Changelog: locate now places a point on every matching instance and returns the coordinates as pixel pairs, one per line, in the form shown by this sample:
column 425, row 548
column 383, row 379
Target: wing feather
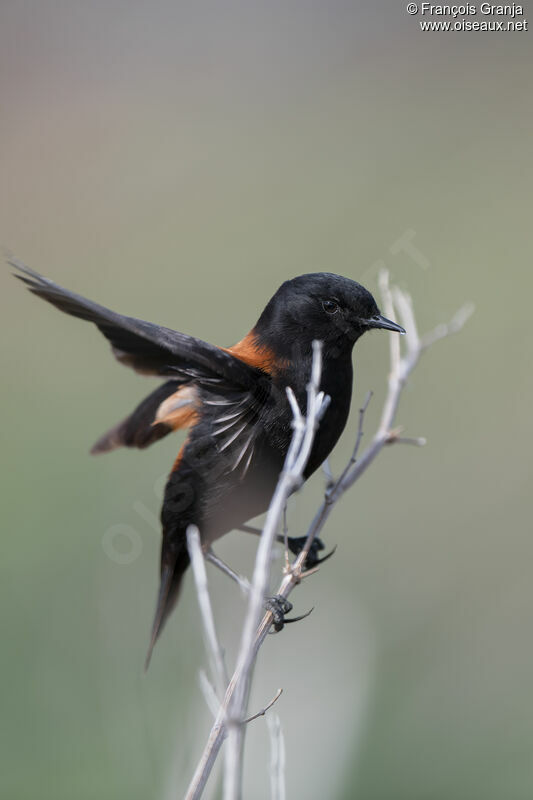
column 142, row 345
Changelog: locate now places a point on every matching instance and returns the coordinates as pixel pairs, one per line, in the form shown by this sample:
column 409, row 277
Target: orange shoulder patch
column 254, row 354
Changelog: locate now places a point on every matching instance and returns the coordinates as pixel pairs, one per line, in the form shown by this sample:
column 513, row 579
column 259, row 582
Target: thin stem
column 290, row 479
column 243, row 583
column 265, row 709
column 277, row 758
column 204, row 601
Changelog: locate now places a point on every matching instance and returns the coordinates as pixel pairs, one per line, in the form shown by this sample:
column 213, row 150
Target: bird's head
column 323, row 306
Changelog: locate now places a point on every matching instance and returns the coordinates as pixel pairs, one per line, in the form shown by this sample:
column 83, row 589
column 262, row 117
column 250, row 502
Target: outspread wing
column 148, row 348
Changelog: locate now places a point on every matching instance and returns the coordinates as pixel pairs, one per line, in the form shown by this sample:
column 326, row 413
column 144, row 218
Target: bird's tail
column 172, row 572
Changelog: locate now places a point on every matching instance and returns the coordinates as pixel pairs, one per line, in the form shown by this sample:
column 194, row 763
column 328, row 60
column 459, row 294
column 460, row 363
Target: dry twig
column 200, row 576
column 290, row 479
column 277, row 758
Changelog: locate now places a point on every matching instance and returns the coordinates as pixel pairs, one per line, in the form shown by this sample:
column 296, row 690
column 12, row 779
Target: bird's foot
column 296, row 545
column 278, row 607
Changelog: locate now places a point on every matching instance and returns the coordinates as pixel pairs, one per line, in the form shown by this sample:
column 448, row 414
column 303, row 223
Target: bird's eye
column 330, row 306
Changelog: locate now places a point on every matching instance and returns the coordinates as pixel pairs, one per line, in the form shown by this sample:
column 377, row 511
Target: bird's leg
column 250, row 529
column 278, row 607
column 257, row 532
column 243, row 583
column 296, row 545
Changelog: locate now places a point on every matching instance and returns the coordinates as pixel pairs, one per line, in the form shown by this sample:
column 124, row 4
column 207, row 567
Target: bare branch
column 290, row 479
column 213, row 703
column 298, row 420
column 388, row 307
column 200, row 576
column 404, row 304
column 277, row 758
column 265, row 709
column 456, row 324
column 353, row 459
column 416, row 441
column 328, row 474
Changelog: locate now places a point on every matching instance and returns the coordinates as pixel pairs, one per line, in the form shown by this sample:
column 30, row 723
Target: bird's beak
column 379, row 321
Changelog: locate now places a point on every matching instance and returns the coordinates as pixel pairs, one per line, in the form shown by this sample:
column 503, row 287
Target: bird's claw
column 324, row 558
column 278, row 607
column 296, row 545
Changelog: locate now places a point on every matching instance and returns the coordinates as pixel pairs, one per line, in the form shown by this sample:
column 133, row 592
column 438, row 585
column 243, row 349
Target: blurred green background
column 176, row 161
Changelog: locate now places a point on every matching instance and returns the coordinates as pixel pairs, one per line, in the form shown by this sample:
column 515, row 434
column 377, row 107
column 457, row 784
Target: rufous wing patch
column 179, row 410
column 179, row 458
column 254, row 354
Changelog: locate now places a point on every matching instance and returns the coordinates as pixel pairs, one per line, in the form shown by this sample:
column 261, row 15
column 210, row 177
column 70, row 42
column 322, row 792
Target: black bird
column 233, row 400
